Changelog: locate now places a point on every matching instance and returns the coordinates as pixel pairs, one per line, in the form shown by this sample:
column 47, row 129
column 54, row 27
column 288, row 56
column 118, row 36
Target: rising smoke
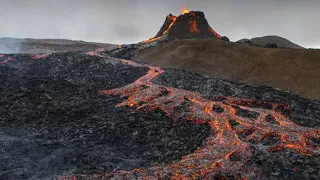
column 9, row 45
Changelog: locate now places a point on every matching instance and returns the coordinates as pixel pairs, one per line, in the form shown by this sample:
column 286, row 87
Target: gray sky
column 130, row 21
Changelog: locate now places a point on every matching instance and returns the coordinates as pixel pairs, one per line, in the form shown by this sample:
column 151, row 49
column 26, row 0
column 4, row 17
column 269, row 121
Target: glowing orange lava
column 228, row 150
column 193, row 26
column 173, row 20
column 214, row 32
column 185, row 11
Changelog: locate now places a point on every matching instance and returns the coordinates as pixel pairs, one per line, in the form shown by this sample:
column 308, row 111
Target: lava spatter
column 228, row 150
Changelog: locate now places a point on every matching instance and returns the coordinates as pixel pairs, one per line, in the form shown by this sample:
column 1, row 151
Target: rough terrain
column 74, row 115
column 295, row 70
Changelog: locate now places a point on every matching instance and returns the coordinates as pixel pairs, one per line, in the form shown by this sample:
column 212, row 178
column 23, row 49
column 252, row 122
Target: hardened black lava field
column 80, row 116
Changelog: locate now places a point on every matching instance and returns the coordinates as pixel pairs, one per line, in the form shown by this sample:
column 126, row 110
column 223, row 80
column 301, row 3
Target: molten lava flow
column 185, row 11
column 40, row 56
column 96, row 52
column 7, row 60
column 193, row 27
column 228, row 150
column 215, row 33
column 170, row 18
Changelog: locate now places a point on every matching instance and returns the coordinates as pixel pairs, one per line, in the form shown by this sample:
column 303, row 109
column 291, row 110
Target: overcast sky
column 130, row 21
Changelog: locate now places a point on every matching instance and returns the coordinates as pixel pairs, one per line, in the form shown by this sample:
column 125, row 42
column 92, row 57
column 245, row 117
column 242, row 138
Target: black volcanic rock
column 192, row 24
column 225, row 38
column 189, row 25
column 54, row 121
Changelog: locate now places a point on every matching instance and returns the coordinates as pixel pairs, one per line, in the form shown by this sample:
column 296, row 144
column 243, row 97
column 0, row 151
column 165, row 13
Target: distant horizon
column 127, row 21
column 317, row 47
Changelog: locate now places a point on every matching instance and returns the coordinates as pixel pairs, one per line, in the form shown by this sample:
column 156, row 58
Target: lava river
column 228, row 149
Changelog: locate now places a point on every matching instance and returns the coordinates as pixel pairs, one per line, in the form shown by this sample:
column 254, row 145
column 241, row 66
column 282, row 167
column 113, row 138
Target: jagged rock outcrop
column 225, row 38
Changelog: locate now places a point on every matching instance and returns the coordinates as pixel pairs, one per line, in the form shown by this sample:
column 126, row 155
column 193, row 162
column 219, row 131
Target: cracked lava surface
column 229, row 148
column 238, row 126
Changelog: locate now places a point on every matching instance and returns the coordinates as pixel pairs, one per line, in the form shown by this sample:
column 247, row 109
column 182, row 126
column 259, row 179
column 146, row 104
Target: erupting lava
column 228, row 149
column 185, row 11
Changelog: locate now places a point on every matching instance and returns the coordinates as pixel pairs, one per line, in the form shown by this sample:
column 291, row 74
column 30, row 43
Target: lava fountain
column 185, row 11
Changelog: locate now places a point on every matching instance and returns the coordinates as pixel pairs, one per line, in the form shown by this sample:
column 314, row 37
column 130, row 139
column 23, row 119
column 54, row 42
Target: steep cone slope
column 191, row 24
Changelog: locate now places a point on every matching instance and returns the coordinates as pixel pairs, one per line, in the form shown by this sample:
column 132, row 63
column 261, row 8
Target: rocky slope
column 86, row 116
column 295, row 70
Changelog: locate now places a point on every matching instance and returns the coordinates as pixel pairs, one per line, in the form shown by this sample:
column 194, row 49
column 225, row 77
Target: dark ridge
column 246, row 113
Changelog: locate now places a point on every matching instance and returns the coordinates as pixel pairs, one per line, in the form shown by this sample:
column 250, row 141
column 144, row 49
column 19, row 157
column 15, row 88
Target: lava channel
column 228, row 150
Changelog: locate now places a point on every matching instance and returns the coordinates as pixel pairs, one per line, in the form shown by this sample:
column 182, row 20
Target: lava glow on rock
column 173, row 20
column 228, row 150
column 215, row 33
column 193, row 27
column 193, row 23
column 97, row 52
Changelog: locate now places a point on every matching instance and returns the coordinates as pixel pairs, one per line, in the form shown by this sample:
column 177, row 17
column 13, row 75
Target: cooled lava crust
column 83, row 116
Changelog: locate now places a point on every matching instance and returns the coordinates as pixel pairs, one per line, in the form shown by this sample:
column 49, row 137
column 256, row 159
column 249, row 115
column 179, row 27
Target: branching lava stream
column 228, row 149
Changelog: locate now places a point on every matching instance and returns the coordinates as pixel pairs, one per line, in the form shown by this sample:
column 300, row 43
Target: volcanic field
column 92, row 115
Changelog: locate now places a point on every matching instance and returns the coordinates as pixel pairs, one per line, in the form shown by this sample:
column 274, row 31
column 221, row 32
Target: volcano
column 190, row 24
column 99, row 115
